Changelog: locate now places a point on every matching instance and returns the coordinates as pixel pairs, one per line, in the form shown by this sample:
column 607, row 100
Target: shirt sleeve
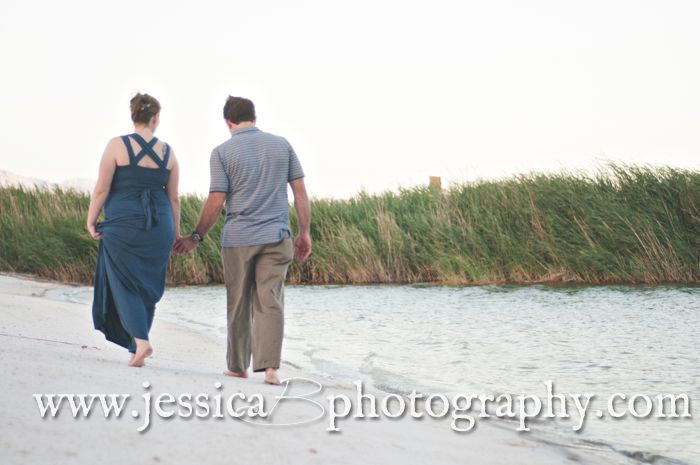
column 219, row 178
column 295, row 170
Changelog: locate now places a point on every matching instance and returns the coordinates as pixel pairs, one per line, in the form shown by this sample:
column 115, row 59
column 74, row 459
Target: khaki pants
column 254, row 278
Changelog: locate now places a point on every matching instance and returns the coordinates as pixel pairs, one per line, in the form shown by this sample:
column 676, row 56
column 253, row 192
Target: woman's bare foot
column 271, row 376
column 143, row 350
column 237, row 374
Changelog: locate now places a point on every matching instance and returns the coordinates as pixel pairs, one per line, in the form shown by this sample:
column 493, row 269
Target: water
column 495, row 339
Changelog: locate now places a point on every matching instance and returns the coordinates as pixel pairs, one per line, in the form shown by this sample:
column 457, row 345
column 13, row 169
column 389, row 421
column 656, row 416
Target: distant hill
column 8, row 179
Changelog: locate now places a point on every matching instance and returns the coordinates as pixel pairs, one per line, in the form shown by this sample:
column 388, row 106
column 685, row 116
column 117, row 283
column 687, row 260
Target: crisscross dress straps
column 146, row 149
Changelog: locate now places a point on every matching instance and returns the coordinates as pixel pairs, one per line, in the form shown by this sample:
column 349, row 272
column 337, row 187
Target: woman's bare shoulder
column 116, row 150
column 115, row 142
column 172, row 159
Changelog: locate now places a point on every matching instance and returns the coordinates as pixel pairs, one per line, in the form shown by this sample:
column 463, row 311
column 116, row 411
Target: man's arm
column 210, row 213
column 302, row 244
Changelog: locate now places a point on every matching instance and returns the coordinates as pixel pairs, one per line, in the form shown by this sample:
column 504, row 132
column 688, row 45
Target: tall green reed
column 623, row 224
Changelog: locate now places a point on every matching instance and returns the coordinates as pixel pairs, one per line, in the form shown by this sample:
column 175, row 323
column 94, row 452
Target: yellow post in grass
column 436, row 183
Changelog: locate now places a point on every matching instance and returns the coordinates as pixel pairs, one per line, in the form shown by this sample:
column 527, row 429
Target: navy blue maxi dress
column 137, row 235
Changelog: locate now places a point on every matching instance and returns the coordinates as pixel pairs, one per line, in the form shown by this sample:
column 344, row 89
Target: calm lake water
column 493, row 340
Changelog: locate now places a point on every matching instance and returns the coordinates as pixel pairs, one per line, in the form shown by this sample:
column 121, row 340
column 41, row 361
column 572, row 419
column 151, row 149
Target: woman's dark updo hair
column 143, row 107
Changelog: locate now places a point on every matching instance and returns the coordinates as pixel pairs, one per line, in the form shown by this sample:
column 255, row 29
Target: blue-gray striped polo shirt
column 253, row 167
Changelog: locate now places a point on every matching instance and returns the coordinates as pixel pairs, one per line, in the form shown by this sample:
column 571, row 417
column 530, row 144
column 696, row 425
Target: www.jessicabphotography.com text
column 464, row 410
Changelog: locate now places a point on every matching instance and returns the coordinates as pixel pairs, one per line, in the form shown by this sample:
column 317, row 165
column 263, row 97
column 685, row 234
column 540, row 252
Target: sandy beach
column 49, row 346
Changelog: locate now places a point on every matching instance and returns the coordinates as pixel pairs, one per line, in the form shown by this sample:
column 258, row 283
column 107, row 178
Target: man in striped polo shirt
column 250, row 172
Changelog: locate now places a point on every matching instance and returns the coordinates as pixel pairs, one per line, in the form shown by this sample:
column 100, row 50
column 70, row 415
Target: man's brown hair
column 239, row 109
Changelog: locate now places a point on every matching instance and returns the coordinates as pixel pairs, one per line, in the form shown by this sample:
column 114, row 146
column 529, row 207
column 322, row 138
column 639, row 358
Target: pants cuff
column 264, row 366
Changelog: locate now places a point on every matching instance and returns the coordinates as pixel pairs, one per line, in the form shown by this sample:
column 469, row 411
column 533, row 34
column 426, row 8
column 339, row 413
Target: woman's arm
column 173, row 195
column 108, row 165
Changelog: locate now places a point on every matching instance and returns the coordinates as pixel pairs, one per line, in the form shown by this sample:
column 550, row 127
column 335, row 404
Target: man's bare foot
column 271, row 376
column 237, row 374
column 143, row 350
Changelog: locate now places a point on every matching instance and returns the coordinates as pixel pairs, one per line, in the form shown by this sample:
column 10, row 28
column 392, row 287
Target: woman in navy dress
column 137, row 187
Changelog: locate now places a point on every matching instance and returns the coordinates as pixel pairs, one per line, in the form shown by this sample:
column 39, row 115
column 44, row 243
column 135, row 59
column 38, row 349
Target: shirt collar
column 244, row 129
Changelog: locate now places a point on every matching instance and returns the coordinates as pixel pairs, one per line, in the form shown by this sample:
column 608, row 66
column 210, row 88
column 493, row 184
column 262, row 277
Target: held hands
column 184, row 245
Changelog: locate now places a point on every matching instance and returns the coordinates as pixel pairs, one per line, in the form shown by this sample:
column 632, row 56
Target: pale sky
column 372, row 95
